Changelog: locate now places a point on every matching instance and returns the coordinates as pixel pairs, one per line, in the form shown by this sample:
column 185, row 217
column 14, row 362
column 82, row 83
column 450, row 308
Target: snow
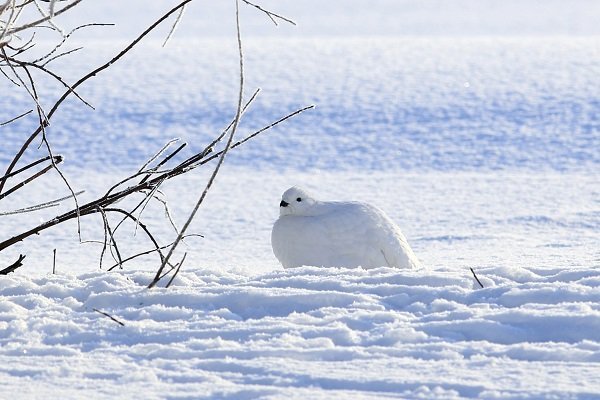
column 306, row 332
column 476, row 130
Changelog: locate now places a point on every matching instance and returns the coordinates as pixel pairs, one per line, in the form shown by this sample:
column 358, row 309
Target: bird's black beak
column 283, row 204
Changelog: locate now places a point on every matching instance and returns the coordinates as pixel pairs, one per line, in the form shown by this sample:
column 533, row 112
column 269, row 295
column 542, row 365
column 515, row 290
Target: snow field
column 484, row 150
column 328, row 332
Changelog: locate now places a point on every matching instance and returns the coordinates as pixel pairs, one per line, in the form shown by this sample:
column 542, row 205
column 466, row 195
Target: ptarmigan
column 337, row 234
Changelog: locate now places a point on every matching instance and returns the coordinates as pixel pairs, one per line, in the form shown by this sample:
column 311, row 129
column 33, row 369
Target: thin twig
column 30, row 165
column 108, row 235
column 32, row 93
column 42, row 20
column 16, row 118
column 236, row 144
column 141, row 225
column 47, row 204
column 270, row 14
column 25, row 182
column 476, row 278
column 59, row 55
column 43, row 68
column 43, row 123
column 146, row 252
column 163, row 162
column 109, row 316
column 158, row 154
column 224, row 152
column 174, row 26
column 176, row 271
column 65, row 38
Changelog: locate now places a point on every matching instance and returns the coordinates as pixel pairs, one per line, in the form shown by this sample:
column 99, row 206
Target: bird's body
column 337, row 234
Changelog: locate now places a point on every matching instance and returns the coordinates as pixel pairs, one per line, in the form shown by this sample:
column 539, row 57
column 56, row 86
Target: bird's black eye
column 299, row 199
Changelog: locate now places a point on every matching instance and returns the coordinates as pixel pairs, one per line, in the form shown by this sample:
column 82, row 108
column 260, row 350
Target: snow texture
column 474, row 125
column 304, row 333
column 310, row 232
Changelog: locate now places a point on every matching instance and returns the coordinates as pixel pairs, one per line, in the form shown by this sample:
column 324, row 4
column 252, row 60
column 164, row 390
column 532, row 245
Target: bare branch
column 43, row 68
column 86, row 77
column 175, row 24
column 65, row 38
column 30, row 165
column 109, row 233
column 270, row 14
column 13, row 266
column 299, row 111
column 26, row 181
column 54, row 262
column 223, row 153
column 41, row 20
column 158, row 154
column 144, row 253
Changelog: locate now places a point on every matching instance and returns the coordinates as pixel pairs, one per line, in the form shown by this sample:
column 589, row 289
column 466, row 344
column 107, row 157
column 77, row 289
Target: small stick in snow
column 476, row 278
column 54, row 263
column 109, row 316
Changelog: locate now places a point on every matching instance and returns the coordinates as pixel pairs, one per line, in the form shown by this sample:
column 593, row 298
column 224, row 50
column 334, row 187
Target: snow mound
column 304, row 332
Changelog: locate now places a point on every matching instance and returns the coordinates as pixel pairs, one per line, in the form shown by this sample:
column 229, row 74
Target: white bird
column 337, row 234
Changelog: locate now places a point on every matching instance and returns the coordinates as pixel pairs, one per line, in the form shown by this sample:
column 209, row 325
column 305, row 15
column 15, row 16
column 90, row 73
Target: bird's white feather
column 337, row 234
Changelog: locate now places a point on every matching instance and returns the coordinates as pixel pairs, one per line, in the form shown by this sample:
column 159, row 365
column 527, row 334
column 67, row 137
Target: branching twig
column 174, row 26
column 91, row 74
column 270, row 14
column 41, row 20
column 13, row 266
column 151, row 177
column 108, row 234
column 31, row 178
column 146, row 252
column 221, row 159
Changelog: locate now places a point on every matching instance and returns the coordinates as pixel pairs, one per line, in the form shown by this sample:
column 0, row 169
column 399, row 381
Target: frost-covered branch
column 148, row 178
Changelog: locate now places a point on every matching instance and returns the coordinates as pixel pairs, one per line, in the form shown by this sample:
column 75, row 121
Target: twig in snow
column 109, row 316
column 223, row 153
column 54, row 262
column 176, row 271
column 476, row 278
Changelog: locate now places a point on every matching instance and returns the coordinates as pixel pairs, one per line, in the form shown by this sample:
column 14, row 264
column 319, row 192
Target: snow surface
column 304, row 333
column 477, row 132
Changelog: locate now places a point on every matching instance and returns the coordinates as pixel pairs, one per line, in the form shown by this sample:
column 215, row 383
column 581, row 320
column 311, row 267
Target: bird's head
column 296, row 201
